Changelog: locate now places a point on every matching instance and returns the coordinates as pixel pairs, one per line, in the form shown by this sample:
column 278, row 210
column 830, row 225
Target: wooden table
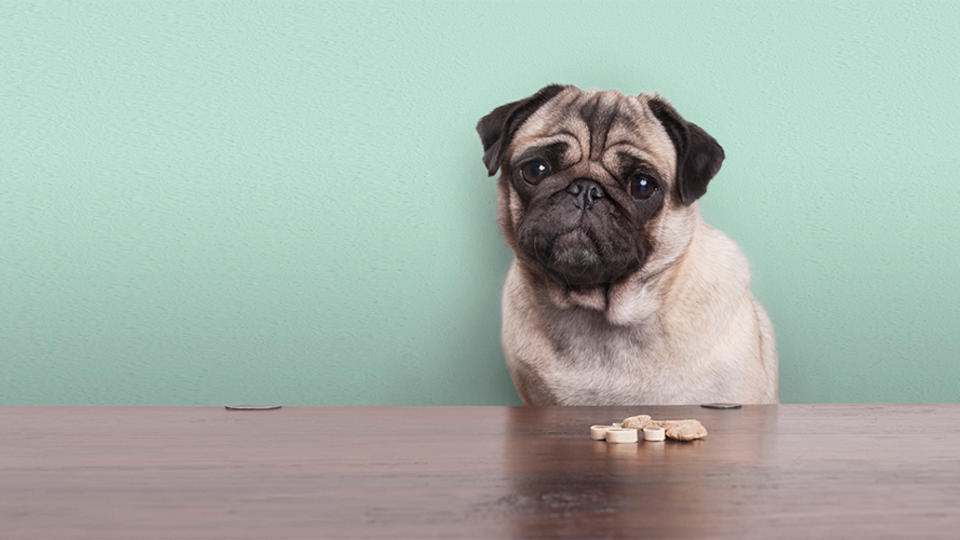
column 844, row 471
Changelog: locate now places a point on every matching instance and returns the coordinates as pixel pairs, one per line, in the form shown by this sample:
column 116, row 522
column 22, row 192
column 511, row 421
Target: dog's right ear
column 699, row 155
column 498, row 128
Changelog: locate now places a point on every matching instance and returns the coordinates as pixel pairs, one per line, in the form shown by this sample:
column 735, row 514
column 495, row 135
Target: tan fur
column 682, row 329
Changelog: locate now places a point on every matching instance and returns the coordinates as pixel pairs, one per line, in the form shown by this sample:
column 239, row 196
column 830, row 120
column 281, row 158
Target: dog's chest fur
column 604, row 363
column 592, row 362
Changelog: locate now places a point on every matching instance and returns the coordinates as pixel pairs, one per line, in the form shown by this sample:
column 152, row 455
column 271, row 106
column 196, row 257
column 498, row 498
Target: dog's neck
column 626, row 303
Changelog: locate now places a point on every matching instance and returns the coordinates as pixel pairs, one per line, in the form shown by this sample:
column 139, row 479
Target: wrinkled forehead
column 598, row 124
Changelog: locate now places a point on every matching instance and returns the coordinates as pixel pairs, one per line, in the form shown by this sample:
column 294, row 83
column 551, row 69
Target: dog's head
column 595, row 185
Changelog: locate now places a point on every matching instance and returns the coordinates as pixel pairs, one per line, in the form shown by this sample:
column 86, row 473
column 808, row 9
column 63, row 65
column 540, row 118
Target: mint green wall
column 203, row 203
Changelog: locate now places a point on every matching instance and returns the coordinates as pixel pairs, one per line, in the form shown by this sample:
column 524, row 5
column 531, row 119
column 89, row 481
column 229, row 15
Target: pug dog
column 620, row 293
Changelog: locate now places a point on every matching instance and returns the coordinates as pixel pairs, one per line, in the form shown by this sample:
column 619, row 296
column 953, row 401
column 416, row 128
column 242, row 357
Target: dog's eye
column 535, row 170
column 642, row 186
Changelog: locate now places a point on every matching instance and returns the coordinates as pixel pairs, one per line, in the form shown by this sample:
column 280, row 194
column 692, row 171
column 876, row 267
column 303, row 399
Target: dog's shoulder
column 715, row 259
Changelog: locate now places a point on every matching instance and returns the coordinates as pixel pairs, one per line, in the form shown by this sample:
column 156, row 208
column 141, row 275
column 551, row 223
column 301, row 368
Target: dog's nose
column 585, row 192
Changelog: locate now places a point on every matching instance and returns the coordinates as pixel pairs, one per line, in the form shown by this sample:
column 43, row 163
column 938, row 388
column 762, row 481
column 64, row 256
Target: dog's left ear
column 498, row 128
column 699, row 156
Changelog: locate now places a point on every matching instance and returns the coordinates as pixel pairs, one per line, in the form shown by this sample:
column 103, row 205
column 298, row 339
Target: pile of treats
column 630, row 430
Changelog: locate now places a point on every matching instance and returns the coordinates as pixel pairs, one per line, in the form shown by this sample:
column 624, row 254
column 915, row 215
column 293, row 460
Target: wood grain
column 201, row 472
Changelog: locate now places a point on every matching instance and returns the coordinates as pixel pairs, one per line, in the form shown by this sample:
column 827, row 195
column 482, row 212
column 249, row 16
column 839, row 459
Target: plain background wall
column 203, row 203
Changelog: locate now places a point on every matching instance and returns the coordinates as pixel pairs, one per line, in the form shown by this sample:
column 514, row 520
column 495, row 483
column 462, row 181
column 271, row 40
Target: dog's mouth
column 577, row 247
column 579, row 257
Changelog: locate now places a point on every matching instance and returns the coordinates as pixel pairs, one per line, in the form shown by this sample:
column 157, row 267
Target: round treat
column 654, row 433
column 598, row 432
column 622, row 435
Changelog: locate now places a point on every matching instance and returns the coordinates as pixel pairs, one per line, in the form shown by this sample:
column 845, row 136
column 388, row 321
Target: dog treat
column 654, row 433
column 682, row 430
column 637, row 422
column 599, row 432
column 622, row 435
column 635, row 428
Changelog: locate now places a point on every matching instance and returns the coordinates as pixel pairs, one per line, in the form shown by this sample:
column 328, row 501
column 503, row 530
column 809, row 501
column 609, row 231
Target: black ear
column 498, row 128
column 699, row 156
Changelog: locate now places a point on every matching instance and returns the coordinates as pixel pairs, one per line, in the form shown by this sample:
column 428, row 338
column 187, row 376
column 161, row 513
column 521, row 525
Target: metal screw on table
column 721, row 405
column 252, row 407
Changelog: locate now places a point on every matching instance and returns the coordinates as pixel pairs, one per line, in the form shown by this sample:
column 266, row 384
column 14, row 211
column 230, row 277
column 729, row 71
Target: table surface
column 817, row 471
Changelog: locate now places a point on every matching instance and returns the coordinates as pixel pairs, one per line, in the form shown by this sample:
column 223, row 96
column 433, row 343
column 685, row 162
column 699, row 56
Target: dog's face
column 596, row 184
